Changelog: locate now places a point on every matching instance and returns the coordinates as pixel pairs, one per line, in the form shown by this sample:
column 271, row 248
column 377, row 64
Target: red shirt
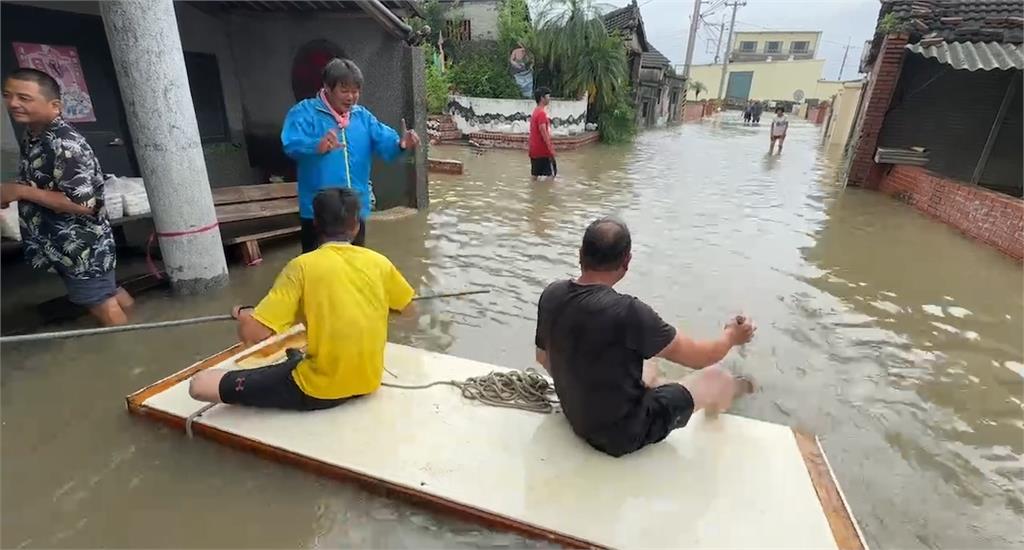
column 538, row 148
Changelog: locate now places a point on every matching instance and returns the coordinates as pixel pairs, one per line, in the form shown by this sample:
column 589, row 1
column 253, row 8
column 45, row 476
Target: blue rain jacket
column 307, row 123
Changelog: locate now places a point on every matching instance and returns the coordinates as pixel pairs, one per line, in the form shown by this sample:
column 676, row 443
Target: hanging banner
column 60, row 62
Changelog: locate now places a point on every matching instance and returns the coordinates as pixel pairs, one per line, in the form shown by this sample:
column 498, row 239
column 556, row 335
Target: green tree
column 570, row 40
column 513, row 24
column 698, row 87
column 437, row 89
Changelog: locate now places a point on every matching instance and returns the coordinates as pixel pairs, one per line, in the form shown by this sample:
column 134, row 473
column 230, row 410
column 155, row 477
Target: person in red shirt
column 542, row 149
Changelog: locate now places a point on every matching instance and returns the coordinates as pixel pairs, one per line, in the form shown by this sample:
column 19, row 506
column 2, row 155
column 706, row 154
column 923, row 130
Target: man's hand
column 739, row 330
column 11, row 192
column 329, row 142
column 410, row 140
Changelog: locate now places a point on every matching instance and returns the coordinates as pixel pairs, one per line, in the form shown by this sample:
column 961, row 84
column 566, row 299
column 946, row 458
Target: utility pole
column 725, row 63
column 721, row 31
column 845, row 52
column 694, row 21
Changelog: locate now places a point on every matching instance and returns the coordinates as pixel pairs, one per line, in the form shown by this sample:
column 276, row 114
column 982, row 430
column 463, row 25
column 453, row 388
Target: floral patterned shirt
column 81, row 246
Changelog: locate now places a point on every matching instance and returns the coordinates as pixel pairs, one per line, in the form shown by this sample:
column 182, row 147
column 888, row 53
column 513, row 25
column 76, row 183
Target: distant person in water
column 343, row 294
column 594, row 341
column 755, row 112
column 748, row 112
column 542, row 148
column 333, row 140
column 780, row 125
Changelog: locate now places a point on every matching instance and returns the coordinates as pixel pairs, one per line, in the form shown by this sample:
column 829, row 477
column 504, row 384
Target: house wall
column 483, row 19
column 227, row 164
column 951, row 112
column 512, row 116
column 988, row 216
column 775, row 80
column 844, row 109
column 825, row 89
column 264, row 47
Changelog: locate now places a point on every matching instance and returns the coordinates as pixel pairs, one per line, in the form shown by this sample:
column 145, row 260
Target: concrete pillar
column 146, row 48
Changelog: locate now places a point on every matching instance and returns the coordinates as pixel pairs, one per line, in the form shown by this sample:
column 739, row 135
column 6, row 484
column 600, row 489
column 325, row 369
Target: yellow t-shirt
column 343, row 294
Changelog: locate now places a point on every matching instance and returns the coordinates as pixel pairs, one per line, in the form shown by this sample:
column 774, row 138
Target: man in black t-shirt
column 594, row 341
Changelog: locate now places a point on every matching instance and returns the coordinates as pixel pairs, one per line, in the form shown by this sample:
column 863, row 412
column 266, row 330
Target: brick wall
column 693, row 111
column 444, row 166
column 521, row 141
column 884, row 75
column 990, row 217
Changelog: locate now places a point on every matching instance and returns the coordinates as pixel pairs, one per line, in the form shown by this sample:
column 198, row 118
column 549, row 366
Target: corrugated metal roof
column 973, row 56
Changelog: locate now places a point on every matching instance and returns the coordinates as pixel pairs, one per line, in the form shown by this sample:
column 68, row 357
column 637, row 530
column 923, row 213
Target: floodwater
column 891, row 336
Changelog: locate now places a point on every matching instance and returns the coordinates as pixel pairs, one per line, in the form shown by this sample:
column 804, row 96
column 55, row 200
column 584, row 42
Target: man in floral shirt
column 60, row 199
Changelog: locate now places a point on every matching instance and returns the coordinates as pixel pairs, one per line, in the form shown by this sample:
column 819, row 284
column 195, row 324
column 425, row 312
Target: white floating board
column 729, row 482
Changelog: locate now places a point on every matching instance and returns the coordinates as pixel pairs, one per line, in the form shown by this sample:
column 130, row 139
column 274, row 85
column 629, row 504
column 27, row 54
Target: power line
column 745, row 23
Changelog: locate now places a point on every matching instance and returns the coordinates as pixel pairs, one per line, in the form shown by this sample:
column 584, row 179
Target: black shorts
column 271, row 387
column 544, row 167
column 311, row 240
column 662, row 410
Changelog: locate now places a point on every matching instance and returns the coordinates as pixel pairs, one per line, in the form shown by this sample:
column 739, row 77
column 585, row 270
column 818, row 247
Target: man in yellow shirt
column 343, row 294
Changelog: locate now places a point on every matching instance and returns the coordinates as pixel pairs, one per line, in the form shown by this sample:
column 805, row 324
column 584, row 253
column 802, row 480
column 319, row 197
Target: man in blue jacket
column 333, row 139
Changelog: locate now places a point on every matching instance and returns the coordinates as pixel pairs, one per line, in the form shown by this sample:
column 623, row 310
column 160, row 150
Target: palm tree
column 571, row 41
column 698, row 87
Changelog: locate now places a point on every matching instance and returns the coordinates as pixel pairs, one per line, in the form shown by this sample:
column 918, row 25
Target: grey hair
column 342, row 71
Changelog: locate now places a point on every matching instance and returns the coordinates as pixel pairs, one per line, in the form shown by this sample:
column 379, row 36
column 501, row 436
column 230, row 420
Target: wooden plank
column 136, row 404
column 262, row 235
column 845, row 531
column 252, row 193
column 228, row 213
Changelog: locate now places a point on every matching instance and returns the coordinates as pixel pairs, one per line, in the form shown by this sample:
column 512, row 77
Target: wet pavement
column 893, row 337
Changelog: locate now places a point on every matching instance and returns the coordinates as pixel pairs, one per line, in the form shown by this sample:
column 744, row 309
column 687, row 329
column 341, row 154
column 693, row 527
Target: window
column 801, row 46
column 773, row 46
column 457, row 30
column 207, row 96
column 748, row 47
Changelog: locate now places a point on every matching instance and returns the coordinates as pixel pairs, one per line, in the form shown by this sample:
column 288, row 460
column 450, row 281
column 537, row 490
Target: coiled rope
column 524, row 390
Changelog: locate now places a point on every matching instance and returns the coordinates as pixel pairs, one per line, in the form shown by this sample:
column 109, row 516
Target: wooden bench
column 245, row 203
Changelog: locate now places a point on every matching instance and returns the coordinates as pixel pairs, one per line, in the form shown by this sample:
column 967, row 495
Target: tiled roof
column 622, row 19
column 627, row 21
column 933, row 21
column 654, row 58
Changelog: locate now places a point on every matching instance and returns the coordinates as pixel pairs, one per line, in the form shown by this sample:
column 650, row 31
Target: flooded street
column 895, row 339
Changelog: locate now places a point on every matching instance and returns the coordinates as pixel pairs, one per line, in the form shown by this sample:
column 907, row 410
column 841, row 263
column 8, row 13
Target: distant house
column 629, row 24
column 946, row 78
column 657, row 91
column 661, row 91
column 768, row 66
column 478, row 21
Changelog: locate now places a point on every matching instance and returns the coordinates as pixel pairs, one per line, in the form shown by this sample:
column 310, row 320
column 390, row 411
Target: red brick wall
column 521, row 141
column 884, row 76
column 993, row 218
column 693, row 111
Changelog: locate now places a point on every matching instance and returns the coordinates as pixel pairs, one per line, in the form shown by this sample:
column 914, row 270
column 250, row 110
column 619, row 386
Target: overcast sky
column 667, row 24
